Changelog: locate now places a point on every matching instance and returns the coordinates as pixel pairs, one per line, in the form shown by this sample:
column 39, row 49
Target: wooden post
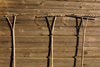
column 83, row 40
column 12, row 27
column 51, row 30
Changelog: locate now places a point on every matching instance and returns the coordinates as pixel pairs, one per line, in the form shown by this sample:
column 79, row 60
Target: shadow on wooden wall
column 49, row 51
column 77, row 41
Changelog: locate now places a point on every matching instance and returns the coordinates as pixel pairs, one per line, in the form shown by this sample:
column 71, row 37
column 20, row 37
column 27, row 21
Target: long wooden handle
column 12, row 27
column 52, row 30
column 13, row 36
column 83, row 40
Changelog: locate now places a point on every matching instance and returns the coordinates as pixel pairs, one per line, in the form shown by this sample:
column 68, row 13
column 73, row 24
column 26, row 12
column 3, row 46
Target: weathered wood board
column 41, row 62
column 32, row 34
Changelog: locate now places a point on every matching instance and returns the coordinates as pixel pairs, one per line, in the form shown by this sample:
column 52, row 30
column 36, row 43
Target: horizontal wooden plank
column 32, row 39
column 49, row 11
column 46, row 45
column 43, row 41
column 56, row 44
column 52, row 4
column 69, row 62
column 30, row 30
column 59, row 52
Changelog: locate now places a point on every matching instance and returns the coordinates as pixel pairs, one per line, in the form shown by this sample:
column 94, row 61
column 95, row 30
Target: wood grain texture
column 46, row 45
column 30, row 30
column 43, row 41
column 40, row 39
column 32, row 40
column 57, row 62
column 59, row 52
column 50, row 4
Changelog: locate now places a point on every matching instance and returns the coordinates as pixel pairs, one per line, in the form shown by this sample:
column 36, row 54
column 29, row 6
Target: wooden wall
column 32, row 40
